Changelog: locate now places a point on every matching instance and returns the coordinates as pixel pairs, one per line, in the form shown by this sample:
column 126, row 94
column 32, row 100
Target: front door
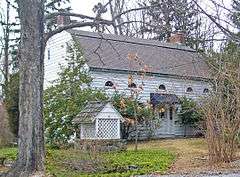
column 166, row 118
column 170, row 121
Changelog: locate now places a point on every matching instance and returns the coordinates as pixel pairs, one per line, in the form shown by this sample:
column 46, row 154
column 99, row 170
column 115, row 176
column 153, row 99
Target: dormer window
column 189, row 89
column 109, row 84
column 206, row 90
column 162, row 87
column 132, row 85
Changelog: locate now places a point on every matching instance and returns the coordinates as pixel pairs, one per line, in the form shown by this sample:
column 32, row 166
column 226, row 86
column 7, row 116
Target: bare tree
column 222, row 108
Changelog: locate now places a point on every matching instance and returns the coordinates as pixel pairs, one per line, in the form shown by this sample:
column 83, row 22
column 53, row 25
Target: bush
column 190, row 114
column 125, row 105
column 134, row 112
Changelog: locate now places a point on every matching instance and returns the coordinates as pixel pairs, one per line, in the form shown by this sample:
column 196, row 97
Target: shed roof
column 106, row 51
column 89, row 112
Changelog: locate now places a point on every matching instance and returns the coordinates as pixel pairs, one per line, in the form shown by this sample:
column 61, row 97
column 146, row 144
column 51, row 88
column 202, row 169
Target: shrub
column 190, row 114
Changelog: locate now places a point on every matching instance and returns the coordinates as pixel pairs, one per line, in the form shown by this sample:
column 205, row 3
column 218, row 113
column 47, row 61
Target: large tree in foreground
column 31, row 155
column 31, row 140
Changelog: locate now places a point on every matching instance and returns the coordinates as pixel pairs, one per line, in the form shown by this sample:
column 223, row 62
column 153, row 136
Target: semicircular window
column 162, row 87
column 109, row 84
column 189, row 89
column 206, row 90
column 132, row 85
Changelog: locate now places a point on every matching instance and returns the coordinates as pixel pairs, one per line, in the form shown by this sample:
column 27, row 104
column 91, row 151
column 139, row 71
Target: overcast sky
column 83, row 6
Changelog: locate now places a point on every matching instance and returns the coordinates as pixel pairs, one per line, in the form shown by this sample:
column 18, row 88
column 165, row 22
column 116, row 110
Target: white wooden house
column 99, row 120
column 171, row 70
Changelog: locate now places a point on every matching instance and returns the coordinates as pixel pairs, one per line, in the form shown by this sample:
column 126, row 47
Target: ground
column 191, row 155
column 176, row 156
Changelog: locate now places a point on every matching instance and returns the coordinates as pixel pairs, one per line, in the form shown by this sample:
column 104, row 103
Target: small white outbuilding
column 99, row 120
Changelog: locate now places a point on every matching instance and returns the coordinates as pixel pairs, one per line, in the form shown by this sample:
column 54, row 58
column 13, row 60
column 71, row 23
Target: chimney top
column 177, row 38
column 63, row 20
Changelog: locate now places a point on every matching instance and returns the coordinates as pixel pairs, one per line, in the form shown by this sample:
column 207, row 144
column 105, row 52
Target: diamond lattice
column 107, row 129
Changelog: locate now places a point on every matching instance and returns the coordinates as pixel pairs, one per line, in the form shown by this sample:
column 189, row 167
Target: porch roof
column 161, row 98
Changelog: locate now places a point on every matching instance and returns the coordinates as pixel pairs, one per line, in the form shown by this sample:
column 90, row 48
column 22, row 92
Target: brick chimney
column 177, row 38
column 62, row 20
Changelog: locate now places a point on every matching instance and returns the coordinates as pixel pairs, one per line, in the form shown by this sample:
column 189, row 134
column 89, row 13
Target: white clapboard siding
column 151, row 84
column 57, row 45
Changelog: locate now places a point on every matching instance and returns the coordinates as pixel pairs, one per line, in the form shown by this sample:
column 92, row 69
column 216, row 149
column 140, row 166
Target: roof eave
column 197, row 78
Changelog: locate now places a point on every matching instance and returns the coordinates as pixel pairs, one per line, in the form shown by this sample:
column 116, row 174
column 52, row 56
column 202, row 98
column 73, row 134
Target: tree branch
column 52, row 15
column 75, row 25
column 135, row 9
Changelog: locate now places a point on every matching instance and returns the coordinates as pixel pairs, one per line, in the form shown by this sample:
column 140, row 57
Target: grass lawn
column 70, row 162
column 188, row 155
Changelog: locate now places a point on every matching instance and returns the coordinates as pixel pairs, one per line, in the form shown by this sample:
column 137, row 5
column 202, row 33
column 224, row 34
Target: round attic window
column 162, row 87
column 109, row 84
column 132, row 85
column 189, row 89
column 206, row 90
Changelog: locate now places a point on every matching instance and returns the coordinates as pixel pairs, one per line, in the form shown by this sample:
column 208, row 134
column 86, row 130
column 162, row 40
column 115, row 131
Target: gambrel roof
column 113, row 52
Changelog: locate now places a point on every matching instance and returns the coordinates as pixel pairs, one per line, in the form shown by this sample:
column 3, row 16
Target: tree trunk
column 6, row 49
column 31, row 154
column 136, row 127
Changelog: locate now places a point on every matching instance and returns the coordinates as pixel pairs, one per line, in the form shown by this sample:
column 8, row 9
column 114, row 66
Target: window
column 171, row 113
column 162, row 87
column 49, row 54
column 132, row 85
column 189, row 89
column 109, row 84
column 205, row 90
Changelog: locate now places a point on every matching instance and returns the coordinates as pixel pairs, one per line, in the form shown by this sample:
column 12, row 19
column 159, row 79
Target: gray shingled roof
column 89, row 113
column 105, row 51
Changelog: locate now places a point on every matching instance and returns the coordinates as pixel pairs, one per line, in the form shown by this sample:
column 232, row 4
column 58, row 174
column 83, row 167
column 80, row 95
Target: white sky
column 83, row 6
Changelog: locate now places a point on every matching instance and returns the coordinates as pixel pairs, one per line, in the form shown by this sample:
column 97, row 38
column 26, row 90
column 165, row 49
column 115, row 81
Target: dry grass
column 191, row 154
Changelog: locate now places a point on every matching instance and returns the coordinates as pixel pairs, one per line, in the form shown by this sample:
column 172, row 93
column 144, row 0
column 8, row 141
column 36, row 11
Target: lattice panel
column 108, row 129
column 88, row 131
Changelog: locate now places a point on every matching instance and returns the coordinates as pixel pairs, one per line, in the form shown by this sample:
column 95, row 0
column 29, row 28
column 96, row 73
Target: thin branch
column 52, row 15
column 135, row 9
column 222, row 28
